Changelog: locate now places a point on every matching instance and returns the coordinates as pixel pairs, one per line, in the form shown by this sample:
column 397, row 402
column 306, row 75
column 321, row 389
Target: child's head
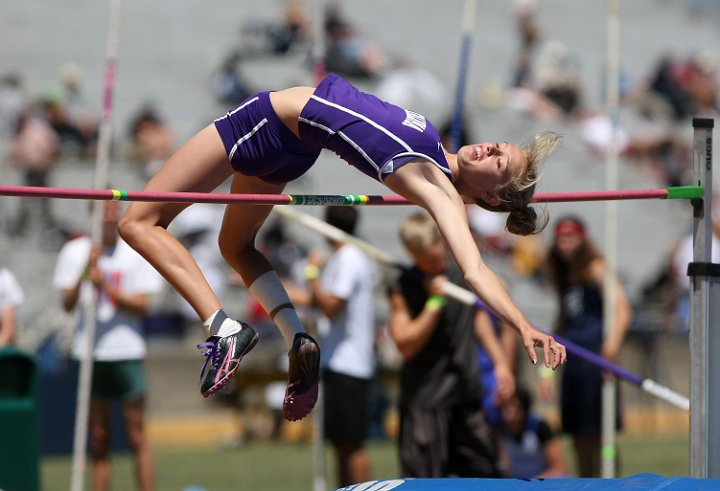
column 511, row 178
column 422, row 239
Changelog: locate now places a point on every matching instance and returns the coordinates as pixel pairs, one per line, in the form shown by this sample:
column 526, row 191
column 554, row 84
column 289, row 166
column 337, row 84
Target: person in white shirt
column 11, row 297
column 123, row 283
column 343, row 293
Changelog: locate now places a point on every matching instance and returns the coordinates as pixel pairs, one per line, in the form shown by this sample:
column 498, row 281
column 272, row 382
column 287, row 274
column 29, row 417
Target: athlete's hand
column 554, row 353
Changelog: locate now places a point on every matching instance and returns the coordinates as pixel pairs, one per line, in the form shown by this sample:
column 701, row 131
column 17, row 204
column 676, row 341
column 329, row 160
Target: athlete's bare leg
column 200, row 165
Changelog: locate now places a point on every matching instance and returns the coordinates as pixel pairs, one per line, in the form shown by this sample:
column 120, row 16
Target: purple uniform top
column 374, row 136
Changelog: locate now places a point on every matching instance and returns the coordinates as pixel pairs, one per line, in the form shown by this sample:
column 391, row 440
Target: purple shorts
column 259, row 144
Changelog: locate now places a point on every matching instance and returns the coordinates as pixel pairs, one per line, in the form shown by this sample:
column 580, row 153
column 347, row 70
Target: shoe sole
column 297, row 406
column 223, row 381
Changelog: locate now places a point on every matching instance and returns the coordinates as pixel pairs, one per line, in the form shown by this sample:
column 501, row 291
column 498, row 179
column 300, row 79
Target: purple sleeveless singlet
column 371, row 135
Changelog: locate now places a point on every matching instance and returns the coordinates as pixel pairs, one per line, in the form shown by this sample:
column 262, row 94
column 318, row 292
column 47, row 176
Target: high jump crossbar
column 678, row 192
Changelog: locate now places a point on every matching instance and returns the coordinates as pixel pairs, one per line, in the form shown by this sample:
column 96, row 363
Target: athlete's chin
column 466, row 154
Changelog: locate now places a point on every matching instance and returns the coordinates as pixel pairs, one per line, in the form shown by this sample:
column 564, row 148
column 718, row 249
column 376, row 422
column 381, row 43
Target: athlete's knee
column 234, row 249
column 129, row 229
column 132, row 229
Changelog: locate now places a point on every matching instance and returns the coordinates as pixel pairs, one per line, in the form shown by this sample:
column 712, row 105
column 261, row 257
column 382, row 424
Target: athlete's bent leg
column 237, row 244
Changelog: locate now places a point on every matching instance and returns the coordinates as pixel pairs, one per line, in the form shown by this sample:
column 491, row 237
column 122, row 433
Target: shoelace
column 211, row 354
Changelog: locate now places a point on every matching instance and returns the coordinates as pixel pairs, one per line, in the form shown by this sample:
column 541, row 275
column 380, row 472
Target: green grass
column 282, row 466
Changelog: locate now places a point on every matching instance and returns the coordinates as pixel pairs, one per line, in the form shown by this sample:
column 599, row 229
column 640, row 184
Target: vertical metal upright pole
column 318, row 47
column 82, row 414
column 700, row 349
column 319, row 468
column 612, row 96
column 469, row 21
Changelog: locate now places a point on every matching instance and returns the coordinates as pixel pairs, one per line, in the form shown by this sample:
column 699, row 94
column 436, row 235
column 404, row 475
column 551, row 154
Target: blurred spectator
column 68, row 112
column 71, row 93
column 151, row 140
column 418, row 89
column 495, row 347
column 529, row 33
column 557, row 94
column 73, row 138
column 665, row 97
column 291, row 33
column 260, row 37
column 658, row 310
column 531, row 448
column 666, row 152
column 526, row 257
column 697, row 77
column 577, row 272
column 443, row 429
column 350, row 53
column 34, row 150
column 13, row 101
column 228, row 84
column 557, row 75
column 549, row 87
column 11, row 297
column 123, row 282
column 655, row 146
column 343, row 294
column 679, row 89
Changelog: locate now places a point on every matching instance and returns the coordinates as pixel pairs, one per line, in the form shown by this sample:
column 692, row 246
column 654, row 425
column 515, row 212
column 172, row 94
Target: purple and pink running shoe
column 303, row 376
column 223, row 356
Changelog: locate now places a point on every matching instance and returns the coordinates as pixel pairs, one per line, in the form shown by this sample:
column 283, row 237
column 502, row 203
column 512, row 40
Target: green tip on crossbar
column 685, row 192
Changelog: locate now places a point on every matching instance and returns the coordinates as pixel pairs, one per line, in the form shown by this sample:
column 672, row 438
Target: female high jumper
column 273, row 138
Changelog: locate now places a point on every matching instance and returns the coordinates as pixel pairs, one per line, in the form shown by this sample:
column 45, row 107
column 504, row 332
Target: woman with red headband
column 577, row 271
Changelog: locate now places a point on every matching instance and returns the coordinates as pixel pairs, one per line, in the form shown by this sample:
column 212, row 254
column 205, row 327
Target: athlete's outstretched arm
column 426, row 185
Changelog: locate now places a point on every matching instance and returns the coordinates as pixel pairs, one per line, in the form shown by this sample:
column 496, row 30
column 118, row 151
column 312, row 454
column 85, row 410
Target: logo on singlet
column 415, row 121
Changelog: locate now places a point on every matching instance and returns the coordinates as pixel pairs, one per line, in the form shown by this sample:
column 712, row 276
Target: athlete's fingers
column 546, row 343
column 559, row 354
column 563, row 354
column 529, row 344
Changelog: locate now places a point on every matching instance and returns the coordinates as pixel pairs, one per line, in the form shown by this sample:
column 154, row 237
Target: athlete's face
column 487, row 167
